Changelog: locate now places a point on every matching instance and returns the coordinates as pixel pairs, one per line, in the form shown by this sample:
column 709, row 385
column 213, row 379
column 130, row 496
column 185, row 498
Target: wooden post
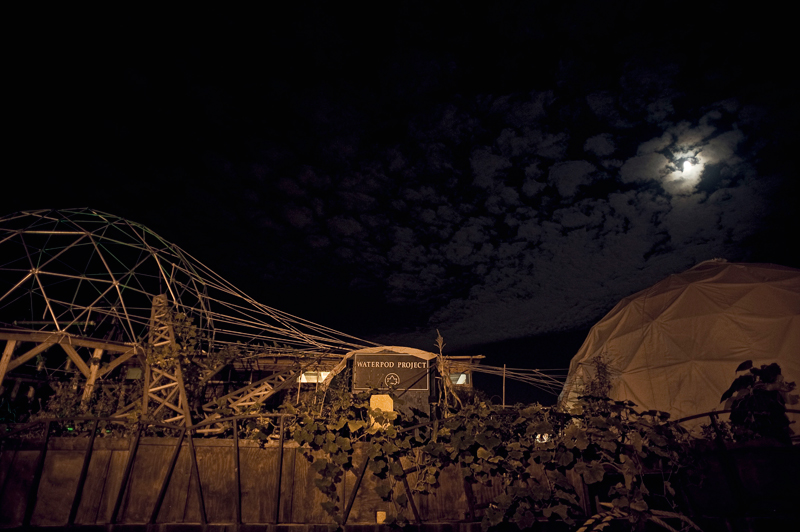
column 95, row 366
column 7, row 352
column 238, row 472
column 470, row 496
column 87, row 456
column 37, row 477
column 280, row 473
column 504, row 385
column 170, row 468
column 123, row 487
column 352, row 499
column 199, row 487
column 410, row 496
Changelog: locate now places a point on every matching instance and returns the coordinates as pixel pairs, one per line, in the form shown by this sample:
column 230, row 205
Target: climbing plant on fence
column 531, row 453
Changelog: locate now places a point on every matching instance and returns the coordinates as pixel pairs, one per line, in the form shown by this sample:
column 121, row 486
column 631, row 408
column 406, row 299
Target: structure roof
column 675, row 346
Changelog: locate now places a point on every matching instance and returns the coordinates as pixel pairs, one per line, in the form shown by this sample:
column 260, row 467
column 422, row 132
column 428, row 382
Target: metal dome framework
column 100, row 285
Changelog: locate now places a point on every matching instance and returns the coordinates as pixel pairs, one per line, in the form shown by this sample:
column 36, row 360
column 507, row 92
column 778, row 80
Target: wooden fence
column 90, row 480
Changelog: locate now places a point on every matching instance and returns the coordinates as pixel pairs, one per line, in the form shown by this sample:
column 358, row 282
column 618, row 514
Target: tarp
column 675, row 346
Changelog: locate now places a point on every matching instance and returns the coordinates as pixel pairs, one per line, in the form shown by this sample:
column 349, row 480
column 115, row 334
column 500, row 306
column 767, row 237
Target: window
column 313, row 376
column 459, row 378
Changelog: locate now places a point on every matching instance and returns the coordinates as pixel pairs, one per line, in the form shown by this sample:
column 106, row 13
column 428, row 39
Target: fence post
column 280, row 471
column 126, row 475
column 238, row 473
column 170, row 468
column 76, row 500
column 37, row 477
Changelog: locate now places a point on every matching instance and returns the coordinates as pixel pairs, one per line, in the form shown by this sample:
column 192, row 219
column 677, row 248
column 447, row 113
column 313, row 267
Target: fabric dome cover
column 675, row 346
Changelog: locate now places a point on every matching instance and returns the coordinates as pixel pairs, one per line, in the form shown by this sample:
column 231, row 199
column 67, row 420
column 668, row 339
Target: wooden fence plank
column 6, row 461
column 93, row 488
column 112, row 484
column 146, row 477
column 217, row 476
column 307, row 500
column 20, row 478
column 173, row 507
column 259, row 482
column 367, row 502
column 57, row 487
column 288, row 483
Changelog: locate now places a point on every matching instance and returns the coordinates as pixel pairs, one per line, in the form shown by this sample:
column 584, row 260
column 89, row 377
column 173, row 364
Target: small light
column 70, row 429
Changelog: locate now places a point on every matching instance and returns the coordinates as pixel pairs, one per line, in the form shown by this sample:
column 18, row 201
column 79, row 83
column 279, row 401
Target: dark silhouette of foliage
column 758, row 401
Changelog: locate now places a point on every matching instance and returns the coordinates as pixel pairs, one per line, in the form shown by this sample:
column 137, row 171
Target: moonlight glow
column 688, row 167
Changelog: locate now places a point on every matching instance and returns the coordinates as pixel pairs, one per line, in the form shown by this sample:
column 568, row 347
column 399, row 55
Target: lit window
column 313, row 376
column 459, row 378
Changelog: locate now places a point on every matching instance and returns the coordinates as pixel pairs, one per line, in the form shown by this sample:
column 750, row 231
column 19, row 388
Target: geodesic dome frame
column 90, row 273
column 102, row 289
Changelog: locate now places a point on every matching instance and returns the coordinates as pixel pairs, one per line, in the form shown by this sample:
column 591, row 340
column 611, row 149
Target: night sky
column 503, row 173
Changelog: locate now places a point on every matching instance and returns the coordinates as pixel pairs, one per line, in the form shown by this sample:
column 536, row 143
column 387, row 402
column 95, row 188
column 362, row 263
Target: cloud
column 299, row 217
column 343, row 226
column 601, row 145
column 487, row 166
column 500, row 235
column 722, row 148
column 643, row 168
column 569, row 175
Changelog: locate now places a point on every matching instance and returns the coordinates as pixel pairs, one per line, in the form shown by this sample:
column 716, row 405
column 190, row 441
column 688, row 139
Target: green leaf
column 524, row 519
column 343, row 443
column 383, row 490
column 355, row 425
column 592, row 472
column 564, row 458
column 639, row 506
column 319, row 464
column 396, row 469
column 401, row 499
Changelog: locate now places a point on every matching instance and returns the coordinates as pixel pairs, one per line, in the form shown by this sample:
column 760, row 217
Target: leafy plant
column 532, row 453
column 757, row 400
column 600, row 385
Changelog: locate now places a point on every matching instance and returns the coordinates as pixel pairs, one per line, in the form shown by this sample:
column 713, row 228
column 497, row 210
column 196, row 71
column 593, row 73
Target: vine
column 532, row 454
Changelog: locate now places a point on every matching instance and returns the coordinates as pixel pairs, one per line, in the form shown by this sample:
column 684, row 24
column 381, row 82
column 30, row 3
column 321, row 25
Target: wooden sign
column 390, row 371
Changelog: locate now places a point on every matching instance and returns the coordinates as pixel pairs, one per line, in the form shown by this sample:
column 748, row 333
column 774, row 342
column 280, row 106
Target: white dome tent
column 675, row 346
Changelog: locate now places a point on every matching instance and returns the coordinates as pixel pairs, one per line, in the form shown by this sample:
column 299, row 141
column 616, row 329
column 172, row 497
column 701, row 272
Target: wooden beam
column 76, row 358
column 124, row 357
column 7, row 352
column 61, row 338
column 87, row 389
column 29, row 355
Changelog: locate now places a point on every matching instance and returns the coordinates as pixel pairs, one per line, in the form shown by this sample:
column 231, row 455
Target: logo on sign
column 392, row 379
